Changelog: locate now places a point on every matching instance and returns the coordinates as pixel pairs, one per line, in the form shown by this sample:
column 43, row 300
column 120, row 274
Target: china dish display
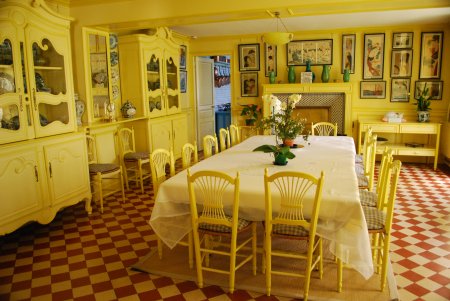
column 6, row 83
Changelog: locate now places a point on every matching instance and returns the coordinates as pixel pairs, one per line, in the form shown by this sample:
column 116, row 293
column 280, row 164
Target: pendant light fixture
column 277, row 38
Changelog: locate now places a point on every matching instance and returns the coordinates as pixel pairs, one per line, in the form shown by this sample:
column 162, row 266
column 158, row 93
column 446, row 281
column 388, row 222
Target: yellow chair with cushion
column 224, row 139
column 136, row 165
column 235, row 135
column 189, row 154
column 292, row 223
column 106, row 178
column 206, row 193
column 324, row 129
column 210, row 146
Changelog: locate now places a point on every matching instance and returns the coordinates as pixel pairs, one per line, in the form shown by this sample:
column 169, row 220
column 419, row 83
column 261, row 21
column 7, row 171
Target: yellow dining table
column 341, row 219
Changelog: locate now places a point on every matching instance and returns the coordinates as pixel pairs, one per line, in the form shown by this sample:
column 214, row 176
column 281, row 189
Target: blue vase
column 291, row 75
column 308, row 69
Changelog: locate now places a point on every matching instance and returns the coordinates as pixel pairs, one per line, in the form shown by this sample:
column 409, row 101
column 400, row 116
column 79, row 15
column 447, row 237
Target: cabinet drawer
column 419, row 129
column 382, row 128
column 416, row 152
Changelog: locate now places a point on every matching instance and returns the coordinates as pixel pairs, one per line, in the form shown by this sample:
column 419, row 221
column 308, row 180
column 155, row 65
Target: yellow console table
column 400, row 145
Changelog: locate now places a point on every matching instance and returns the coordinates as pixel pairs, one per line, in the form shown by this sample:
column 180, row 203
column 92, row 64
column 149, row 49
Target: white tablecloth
column 341, row 219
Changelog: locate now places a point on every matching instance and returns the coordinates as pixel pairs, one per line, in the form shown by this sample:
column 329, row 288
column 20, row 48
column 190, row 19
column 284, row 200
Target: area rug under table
column 174, row 264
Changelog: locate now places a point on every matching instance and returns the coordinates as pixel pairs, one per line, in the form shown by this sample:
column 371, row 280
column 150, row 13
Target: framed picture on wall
column 183, row 81
column 319, row 52
column 401, row 40
column 248, row 57
column 400, row 89
column 183, row 51
column 271, row 58
column 431, row 55
column 348, row 52
column 373, row 89
column 401, row 63
column 434, row 89
column 373, row 56
column 249, row 84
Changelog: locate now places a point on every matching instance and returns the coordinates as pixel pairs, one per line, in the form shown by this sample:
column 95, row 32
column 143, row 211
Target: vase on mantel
column 291, row 74
column 326, row 73
column 272, row 77
column 308, row 69
column 346, row 76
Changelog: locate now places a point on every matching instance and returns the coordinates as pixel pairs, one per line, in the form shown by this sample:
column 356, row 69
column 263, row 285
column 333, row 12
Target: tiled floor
column 81, row 257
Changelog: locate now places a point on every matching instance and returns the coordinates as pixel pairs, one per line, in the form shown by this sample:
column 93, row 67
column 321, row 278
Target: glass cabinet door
column 172, row 84
column 155, row 86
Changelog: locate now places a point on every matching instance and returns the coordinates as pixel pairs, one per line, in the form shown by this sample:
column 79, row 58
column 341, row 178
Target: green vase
column 291, row 75
column 308, row 69
column 326, row 73
column 272, row 77
column 346, row 75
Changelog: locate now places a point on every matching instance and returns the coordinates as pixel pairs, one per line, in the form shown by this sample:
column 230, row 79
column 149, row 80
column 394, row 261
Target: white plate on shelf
column 6, row 83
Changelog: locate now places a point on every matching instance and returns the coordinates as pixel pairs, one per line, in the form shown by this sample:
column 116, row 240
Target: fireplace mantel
column 345, row 88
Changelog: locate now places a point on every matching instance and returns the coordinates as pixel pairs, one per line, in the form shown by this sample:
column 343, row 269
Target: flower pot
column 280, row 159
column 288, row 142
column 423, row 116
column 250, row 121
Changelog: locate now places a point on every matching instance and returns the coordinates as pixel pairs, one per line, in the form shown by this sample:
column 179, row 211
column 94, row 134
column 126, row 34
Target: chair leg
column 385, row 259
column 321, row 257
column 268, row 266
column 191, row 250
column 125, row 175
column 339, row 275
column 254, row 243
column 232, row 264
column 121, row 184
column 141, row 181
column 198, row 258
column 99, row 183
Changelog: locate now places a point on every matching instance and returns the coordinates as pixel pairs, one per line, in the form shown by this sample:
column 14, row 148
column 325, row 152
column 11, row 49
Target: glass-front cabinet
column 36, row 92
column 97, row 74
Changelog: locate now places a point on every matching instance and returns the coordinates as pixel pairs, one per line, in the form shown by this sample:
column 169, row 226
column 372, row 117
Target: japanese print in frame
column 271, row 58
column 248, row 57
column 348, row 52
column 431, row 55
column 373, row 56
column 401, row 63
column 319, row 52
column 402, row 40
column 400, row 89
column 249, row 84
column 373, row 89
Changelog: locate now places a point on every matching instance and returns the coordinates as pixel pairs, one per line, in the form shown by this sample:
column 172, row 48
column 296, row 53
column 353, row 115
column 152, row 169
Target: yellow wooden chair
column 359, row 159
column 189, row 155
column 224, row 139
column 292, row 223
column 160, row 159
column 324, row 129
column 379, row 223
column 207, row 189
column 106, row 178
column 235, row 135
column 366, row 179
column 210, row 146
column 136, row 165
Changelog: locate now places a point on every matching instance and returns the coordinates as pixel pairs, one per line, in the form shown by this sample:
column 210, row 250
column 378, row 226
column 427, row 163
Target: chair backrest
column 386, row 159
column 369, row 160
column 367, row 137
column 324, row 129
column 210, row 146
column 290, row 188
column 224, row 139
column 388, row 205
column 235, row 135
column 159, row 159
column 208, row 188
column 91, row 149
column 189, row 154
column 126, row 141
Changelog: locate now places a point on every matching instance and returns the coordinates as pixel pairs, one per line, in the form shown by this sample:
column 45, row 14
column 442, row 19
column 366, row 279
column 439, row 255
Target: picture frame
column 402, row 40
column 183, row 81
column 435, row 89
column 183, row 51
column 401, row 63
column 348, row 52
column 400, row 89
column 373, row 89
column 248, row 57
column 306, row 78
column 373, row 63
column 431, row 55
column 271, row 58
column 249, row 84
column 319, row 52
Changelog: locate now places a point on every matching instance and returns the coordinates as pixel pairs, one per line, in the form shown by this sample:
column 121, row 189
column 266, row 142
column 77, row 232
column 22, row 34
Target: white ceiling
column 319, row 22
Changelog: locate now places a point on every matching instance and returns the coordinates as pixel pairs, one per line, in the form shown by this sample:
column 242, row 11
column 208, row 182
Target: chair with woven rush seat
column 324, row 129
column 292, row 223
column 207, row 190
column 235, row 135
column 210, row 146
column 106, row 178
column 189, row 154
column 137, row 164
column 224, row 139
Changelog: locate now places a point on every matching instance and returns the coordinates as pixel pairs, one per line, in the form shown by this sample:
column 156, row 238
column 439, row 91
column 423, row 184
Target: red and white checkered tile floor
column 81, row 257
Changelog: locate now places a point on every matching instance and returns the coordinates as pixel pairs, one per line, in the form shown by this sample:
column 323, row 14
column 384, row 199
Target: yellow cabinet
column 149, row 67
column 36, row 88
column 38, row 179
column 169, row 132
